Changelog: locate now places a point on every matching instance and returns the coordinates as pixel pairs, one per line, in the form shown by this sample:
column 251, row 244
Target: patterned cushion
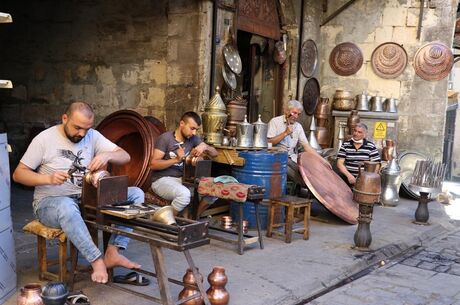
column 37, row 228
column 232, row 191
column 152, row 198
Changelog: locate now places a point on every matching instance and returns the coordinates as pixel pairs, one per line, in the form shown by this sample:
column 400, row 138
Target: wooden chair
column 293, row 205
column 43, row 234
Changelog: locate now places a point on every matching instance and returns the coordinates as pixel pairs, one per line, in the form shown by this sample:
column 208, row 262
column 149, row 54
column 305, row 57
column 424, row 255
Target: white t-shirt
column 278, row 125
column 51, row 151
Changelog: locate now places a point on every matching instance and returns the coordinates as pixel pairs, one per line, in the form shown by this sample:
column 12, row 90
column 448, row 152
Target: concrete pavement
column 280, row 274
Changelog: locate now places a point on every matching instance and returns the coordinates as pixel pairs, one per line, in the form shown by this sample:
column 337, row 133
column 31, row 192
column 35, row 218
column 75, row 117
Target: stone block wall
column 422, row 104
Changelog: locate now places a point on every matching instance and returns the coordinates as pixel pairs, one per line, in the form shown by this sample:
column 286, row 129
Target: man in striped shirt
column 354, row 152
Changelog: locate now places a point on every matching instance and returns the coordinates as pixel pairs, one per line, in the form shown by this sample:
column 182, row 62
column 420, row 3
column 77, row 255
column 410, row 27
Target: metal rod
column 420, row 19
column 338, row 11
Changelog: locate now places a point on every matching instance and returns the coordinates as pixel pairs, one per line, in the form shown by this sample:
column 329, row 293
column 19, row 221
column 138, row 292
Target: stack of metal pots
column 214, row 119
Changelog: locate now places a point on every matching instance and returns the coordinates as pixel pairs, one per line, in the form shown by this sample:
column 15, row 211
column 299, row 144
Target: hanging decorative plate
column 346, row 59
column 433, row 61
column 310, row 95
column 308, row 58
column 389, row 60
column 232, row 58
column 229, row 77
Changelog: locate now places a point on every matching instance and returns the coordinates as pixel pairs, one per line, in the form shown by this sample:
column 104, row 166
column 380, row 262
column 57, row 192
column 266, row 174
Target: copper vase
column 323, row 108
column 190, row 289
column 352, row 121
column 367, row 188
column 217, row 294
column 30, row 295
column 387, row 151
column 322, row 136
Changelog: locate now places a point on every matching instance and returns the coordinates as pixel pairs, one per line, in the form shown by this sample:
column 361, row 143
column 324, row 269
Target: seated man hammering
column 171, row 149
column 55, row 163
column 354, row 152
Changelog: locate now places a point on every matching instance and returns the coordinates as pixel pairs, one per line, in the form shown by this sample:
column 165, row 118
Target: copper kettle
column 367, row 188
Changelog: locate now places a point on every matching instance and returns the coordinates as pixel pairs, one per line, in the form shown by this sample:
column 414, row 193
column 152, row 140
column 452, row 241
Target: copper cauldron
column 367, row 188
column 343, row 100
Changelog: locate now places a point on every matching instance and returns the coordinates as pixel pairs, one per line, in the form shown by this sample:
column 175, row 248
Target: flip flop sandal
column 77, row 298
column 132, row 278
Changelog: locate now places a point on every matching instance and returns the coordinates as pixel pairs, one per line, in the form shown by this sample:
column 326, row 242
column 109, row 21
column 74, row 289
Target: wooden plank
column 222, row 158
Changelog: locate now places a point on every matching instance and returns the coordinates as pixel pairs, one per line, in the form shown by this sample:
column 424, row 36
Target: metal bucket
column 267, row 169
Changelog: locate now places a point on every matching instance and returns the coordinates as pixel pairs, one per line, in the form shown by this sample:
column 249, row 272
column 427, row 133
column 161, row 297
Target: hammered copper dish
column 310, row 95
column 232, row 58
column 433, row 61
column 346, row 59
column 308, row 58
column 389, row 60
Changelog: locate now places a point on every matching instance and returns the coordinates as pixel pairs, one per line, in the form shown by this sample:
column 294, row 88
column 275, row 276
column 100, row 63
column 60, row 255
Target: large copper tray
column 308, row 58
column 433, row 61
column 310, row 95
column 328, row 187
column 346, row 59
column 389, row 60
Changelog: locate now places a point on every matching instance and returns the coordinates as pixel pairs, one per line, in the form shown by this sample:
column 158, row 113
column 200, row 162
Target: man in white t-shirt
column 55, row 163
column 284, row 131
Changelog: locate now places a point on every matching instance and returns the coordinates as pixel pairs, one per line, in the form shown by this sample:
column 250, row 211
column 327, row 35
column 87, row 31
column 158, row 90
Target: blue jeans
column 62, row 212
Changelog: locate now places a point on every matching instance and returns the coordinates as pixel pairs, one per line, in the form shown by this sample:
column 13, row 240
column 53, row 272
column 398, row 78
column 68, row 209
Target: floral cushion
column 232, row 191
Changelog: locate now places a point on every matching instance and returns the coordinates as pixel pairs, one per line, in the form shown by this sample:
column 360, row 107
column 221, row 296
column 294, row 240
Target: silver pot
column 391, row 182
column 363, row 102
column 260, row 133
column 390, row 105
column 377, row 104
column 244, row 133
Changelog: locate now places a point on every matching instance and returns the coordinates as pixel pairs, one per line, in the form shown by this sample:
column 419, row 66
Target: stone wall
column 422, row 104
column 149, row 56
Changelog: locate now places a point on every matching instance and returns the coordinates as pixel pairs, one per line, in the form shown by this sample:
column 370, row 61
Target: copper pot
column 367, row 188
column 343, row 100
column 190, row 288
column 322, row 109
column 387, row 151
column 353, row 120
column 217, row 294
column 30, row 295
column 322, row 136
column 94, row 177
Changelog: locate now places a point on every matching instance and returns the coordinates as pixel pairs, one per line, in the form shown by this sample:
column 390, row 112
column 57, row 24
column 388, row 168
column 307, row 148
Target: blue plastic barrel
column 263, row 168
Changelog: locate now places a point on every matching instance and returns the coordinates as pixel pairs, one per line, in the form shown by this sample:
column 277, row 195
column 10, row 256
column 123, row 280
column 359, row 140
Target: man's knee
column 136, row 194
column 182, row 198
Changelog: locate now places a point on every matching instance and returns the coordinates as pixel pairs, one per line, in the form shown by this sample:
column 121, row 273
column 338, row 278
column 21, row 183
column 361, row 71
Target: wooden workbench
column 230, row 155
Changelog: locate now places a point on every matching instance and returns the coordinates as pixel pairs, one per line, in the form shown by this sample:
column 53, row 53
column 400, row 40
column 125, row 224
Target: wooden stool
column 293, row 204
column 45, row 233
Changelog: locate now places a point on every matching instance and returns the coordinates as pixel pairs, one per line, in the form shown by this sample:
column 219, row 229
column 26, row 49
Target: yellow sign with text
column 380, row 130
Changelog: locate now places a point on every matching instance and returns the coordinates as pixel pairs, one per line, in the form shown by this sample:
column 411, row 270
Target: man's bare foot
column 114, row 259
column 99, row 274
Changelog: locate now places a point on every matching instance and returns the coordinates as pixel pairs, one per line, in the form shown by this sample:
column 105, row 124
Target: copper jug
column 322, row 111
column 236, row 109
column 387, row 151
column 217, row 294
column 30, row 295
column 190, row 288
column 352, row 121
column 367, row 188
column 322, row 136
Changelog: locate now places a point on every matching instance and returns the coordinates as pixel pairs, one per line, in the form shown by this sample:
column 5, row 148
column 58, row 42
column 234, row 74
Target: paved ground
column 281, row 273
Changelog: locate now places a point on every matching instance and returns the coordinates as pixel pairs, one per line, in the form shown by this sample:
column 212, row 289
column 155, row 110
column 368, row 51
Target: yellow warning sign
column 380, row 130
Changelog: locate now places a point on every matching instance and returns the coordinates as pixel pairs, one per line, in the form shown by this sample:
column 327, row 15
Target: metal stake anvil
column 422, row 214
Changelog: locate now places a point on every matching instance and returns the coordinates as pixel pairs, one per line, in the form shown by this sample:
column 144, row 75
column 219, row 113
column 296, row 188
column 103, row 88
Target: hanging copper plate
column 328, row 187
column 433, row 61
column 346, row 59
column 310, row 95
column 308, row 58
column 389, row 60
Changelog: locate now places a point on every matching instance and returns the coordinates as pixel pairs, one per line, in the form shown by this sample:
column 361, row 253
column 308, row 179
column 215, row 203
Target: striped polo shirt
column 354, row 157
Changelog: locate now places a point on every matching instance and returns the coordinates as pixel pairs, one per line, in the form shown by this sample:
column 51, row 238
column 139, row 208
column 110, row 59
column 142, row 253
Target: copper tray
column 389, row 60
column 308, row 58
column 346, row 59
column 433, row 61
column 310, row 95
column 328, row 187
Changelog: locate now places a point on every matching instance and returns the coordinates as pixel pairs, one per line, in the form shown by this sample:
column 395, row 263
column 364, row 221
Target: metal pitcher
column 377, row 104
column 260, row 133
column 391, row 182
column 363, row 102
column 244, row 133
column 390, row 105
column 312, row 140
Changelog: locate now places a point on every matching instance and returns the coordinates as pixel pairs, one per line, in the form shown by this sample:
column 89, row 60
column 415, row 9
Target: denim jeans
column 62, row 212
column 171, row 188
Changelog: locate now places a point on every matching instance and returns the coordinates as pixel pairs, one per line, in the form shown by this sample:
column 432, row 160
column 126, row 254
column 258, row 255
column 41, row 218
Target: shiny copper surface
column 346, row 59
column 433, row 61
column 310, row 95
column 135, row 134
column 328, row 187
column 389, row 60
column 323, row 110
column 308, row 58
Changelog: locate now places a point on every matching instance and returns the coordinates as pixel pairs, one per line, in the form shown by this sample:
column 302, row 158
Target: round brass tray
column 433, row 61
column 389, row 60
column 232, row 58
column 346, row 59
column 308, row 58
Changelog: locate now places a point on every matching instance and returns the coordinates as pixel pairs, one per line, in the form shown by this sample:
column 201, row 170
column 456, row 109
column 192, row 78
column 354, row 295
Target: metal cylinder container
column 391, row 181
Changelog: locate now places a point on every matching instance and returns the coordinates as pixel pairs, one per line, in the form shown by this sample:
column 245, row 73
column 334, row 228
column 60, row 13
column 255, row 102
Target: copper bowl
column 343, row 100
